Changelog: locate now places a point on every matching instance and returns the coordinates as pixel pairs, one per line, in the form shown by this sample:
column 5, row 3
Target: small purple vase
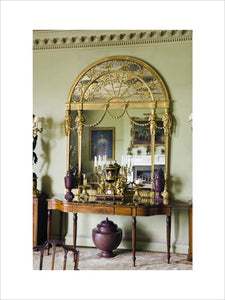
column 159, row 183
column 69, row 180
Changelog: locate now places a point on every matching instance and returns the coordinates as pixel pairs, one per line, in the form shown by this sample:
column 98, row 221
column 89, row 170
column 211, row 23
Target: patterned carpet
column 90, row 260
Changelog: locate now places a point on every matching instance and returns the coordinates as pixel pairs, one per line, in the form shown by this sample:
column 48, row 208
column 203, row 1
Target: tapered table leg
column 134, row 239
column 168, row 231
column 60, row 224
column 49, row 226
column 75, row 230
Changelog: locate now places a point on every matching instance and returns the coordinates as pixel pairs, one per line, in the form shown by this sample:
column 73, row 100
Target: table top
column 58, row 202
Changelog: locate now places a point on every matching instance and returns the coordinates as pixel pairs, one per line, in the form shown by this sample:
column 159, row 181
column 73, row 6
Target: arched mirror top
column 116, row 80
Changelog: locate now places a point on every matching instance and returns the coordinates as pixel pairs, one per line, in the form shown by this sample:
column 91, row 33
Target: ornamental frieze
column 43, row 40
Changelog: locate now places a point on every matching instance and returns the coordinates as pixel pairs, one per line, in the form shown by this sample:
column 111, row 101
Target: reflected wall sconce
column 37, row 124
column 37, row 127
column 190, row 119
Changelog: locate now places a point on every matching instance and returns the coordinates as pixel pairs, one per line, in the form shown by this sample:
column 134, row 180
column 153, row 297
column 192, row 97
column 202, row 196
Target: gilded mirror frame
column 119, row 82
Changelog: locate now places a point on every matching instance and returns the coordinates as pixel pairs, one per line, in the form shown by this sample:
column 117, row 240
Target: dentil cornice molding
column 56, row 39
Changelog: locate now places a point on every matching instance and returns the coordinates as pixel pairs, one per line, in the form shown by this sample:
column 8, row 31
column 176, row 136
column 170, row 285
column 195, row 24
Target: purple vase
column 69, row 180
column 159, row 183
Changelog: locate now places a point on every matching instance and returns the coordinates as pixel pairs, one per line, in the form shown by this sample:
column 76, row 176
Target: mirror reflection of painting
column 159, row 135
column 141, row 136
column 101, row 143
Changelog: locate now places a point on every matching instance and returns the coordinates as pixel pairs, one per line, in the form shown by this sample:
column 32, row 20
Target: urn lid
column 106, row 226
column 159, row 174
column 69, row 173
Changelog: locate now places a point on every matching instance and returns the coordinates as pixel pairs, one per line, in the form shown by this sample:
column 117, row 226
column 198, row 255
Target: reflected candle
column 95, row 164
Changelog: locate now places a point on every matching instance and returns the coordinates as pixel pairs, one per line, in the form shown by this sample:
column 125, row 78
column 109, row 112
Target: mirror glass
column 120, row 139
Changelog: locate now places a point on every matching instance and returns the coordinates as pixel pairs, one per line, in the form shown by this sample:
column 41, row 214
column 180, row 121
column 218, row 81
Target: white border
column 18, row 19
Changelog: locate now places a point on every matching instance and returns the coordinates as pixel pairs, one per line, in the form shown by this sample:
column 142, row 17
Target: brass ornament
column 165, row 195
column 35, row 190
column 102, row 187
column 152, row 197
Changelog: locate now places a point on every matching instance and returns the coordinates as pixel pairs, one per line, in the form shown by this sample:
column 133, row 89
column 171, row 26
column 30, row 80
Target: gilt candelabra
column 111, row 177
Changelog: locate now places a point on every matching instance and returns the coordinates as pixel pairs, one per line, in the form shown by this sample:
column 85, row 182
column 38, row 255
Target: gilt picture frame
column 141, row 136
column 102, row 142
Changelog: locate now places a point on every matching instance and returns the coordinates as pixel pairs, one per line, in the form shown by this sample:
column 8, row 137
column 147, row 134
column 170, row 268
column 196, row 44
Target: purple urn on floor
column 107, row 237
column 159, row 183
column 69, row 180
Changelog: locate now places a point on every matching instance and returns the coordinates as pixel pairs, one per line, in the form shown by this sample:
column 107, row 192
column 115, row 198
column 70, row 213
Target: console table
column 109, row 209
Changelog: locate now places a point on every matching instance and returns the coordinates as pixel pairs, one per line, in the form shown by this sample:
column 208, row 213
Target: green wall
column 54, row 72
